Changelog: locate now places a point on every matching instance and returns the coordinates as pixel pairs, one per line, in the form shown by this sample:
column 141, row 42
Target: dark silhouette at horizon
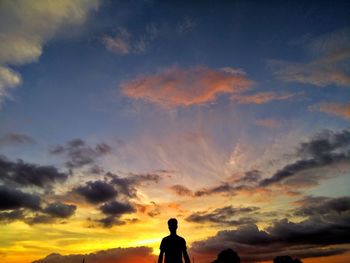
column 173, row 246
column 286, row 259
column 227, row 256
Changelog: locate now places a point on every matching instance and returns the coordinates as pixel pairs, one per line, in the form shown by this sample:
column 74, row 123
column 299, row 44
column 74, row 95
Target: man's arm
column 186, row 257
column 184, row 252
column 160, row 258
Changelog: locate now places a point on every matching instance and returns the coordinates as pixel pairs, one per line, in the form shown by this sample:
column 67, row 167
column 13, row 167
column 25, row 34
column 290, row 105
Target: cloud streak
column 335, row 109
column 331, row 66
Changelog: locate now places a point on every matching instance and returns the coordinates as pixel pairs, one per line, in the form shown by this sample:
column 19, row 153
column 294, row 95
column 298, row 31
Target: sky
column 231, row 116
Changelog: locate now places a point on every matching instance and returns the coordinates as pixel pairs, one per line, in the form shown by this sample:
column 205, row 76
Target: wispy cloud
column 185, row 87
column 186, row 25
column 329, row 67
column 337, row 109
column 15, row 139
column 124, row 42
column 262, row 97
column 25, row 33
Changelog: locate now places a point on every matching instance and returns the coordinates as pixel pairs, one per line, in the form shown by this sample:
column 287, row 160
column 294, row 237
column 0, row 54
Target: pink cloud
column 338, row 109
column 185, row 87
column 262, row 97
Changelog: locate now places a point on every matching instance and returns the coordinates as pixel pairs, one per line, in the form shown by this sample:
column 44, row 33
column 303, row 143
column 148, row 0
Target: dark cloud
column 15, row 199
column 323, row 150
column 224, row 216
column 223, row 188
column 181, row 190
column 127, row 185
column 319, row 234
column 26, row 174
column 60, row 210
column 97, row 191
column 79, row 153
column 39, row 219
column 116, row 255
column 15, row 139
column 252, row 176
column 10, row 216
column 323, row 206
column 114, row 210
column 248, row 181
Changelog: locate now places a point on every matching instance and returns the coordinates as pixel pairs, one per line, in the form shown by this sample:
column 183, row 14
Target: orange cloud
column 337, row 109
column 262, row 97
column 185, row 87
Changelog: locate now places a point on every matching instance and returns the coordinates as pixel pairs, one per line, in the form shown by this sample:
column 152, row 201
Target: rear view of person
column 173, row 246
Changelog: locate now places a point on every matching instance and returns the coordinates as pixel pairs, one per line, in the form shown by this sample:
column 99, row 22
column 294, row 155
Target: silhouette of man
column 173, row 246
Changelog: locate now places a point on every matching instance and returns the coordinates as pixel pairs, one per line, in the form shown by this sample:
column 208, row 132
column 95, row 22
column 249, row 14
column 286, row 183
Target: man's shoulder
column 172, row 237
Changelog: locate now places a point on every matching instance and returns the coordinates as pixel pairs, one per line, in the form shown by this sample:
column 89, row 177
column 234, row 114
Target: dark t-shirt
column 173, row 245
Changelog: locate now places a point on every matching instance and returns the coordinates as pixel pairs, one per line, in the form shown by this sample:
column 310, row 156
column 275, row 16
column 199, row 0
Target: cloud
column 186, row 25
column 8, row 217
column 224, row 216
column 114, row 210
column 26, row 174
column 60, row 210
column 181, row 190
column 124, row 42
column 331, row 66
column 8, row 79
column 79, row 154
column 127, row 185
column 262, row 97
column 185, row 87
column 323, row 150
column 23, row 34
column 11, row 199
column 116, row 255
column 16, row 139
column 312, row 237
column 97, row 191
column 269, row 123
column 332, row 108
column 321, row 206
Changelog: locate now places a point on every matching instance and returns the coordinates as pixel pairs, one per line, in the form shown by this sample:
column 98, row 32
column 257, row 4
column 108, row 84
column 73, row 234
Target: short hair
column 172, row 222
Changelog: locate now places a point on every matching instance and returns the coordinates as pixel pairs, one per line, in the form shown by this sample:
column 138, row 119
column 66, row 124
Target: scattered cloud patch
column 79, row 154
column 124, row 42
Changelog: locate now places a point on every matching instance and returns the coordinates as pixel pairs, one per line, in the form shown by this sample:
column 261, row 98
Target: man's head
column 172, row 224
